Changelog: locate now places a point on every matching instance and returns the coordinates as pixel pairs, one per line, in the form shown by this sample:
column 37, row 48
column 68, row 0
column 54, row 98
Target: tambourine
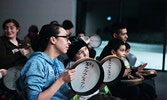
column 88, row 77
column 11, row 77
column 149, row 73
column 113, row 69
column 95, row 41
column 132, row 81
column 86, row 39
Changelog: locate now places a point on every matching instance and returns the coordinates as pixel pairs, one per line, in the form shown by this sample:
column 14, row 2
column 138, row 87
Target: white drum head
column 113, row 69
column 13, row 74
column 88, row 77
column 95, row 41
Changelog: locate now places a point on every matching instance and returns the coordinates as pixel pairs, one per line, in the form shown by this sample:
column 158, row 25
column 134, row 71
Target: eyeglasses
column 67, row 37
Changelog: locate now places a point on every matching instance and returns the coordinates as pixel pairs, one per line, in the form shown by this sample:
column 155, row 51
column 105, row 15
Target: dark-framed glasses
column 65, row 36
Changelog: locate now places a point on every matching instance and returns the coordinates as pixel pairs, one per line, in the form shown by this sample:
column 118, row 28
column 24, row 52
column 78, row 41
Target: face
column 70, row 31
column 120, row 52
column 122, row 35
column 81, row 35
column 11, row 30
column 127, row 52
column 62, row 43
column 82, row 53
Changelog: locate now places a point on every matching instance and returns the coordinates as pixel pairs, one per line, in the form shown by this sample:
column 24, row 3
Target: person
column 80, row 33
column 148, row 83
column 117, row 48
column 44, row 77
column 78, row 50
column 119, row 31
column 127, row 62
column 68, row 26
column 33, row 29
column 54, row 22
column 3, row 72
column 13, row 53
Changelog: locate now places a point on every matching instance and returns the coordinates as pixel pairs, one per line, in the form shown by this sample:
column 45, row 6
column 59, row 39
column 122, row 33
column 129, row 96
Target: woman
column 43, row 77
column 13, row 53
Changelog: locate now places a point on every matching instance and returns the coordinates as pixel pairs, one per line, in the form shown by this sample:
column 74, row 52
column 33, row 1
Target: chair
column 22, row 94
column 132, row 59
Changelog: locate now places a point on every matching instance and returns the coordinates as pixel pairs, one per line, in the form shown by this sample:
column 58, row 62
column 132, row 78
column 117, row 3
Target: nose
column 69, row 42
column 84, row 53
column 126, row 36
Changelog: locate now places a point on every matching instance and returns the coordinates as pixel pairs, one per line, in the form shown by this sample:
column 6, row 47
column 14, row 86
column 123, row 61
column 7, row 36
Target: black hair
column 67, row 24
column 41, row 39
column 116, row 28
column 76, row 44
column 113, row 44
column 127, row 46
column 54, row 22
column 9, row 21
column 33, row 28
column 80, row 32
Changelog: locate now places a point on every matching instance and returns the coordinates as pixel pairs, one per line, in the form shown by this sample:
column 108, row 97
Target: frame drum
column 95, row 41
column 132, row 81
column 149, row 73
column 113, row 69
column 88, row 77
column 10, row 79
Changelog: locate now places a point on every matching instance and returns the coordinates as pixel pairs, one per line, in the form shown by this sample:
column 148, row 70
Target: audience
column 44, row 77
column 13, row 53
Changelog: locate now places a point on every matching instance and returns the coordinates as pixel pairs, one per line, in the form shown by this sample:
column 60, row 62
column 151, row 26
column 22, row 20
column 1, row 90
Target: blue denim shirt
column 39, row 73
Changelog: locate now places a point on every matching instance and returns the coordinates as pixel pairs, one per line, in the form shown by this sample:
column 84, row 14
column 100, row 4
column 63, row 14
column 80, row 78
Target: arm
column 66, row 76
column 37, row 86
column 6, row 54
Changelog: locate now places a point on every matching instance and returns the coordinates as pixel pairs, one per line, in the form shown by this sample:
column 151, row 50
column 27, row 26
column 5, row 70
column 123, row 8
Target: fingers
column 68, row 75
column 24, row 51
column 3, row 72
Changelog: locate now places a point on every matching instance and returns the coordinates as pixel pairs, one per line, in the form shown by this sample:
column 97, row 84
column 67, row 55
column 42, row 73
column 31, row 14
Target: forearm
column 47, row 94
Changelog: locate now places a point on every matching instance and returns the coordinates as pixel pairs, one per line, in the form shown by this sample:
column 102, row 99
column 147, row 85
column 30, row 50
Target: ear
column 18, row 29
column 52, row 40
column 113, row 52
column 115, row 35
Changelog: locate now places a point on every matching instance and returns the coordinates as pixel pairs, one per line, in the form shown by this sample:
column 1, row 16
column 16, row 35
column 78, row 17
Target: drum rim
column 100, row 41
column 118, row 78
column 100, row 81
column 150, row 71
column 132, row 82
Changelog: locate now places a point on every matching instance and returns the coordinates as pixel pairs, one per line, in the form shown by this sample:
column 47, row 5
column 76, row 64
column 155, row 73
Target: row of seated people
column 44, row 76
column 14, row 51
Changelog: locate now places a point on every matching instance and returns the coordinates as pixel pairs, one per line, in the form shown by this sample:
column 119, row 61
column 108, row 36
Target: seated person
column 149, row 82
column 80, row 33
column 77, row 50
column 13, row 52
column 134, row 92
column 44, row 77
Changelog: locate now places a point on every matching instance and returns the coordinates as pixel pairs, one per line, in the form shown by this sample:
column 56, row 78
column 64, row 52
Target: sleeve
column 34, row 79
